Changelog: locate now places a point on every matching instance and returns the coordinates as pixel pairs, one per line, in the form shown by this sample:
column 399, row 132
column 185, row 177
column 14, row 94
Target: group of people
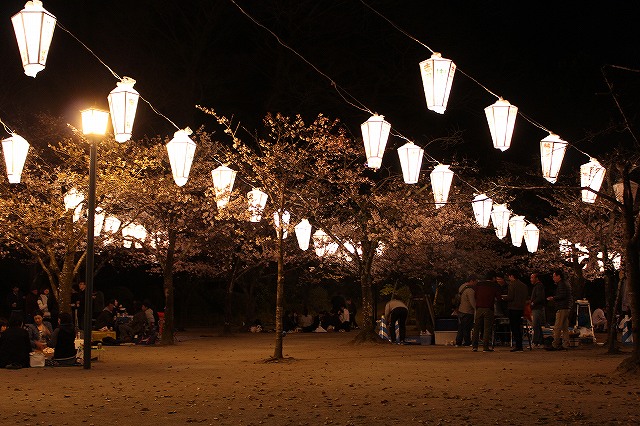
column 479, row 299
column 341, row 318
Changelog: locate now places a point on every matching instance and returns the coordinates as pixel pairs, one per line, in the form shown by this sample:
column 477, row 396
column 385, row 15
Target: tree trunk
column 65, row 283
column 228, row 306
column 612, row 330
column 167, row 332
column 277, row 353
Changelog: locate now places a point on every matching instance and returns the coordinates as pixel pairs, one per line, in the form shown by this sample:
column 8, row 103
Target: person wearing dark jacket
column 563, row 301
column 63, row 339
column 15, row 345
column 487, row 293
column 516, row 299
column 538, row 300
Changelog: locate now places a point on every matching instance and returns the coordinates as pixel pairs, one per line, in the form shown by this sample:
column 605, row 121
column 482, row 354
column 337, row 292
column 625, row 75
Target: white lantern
column 500, row 218
column 552, row 150
column 15, row 151
column 127, row 235
column 501, row 117
column 516, row 229
column 411, row 161
column 531, row 237
column 321, row 242
column 618, row 190
column 223, row 178
column 591, row 176
column 72, row 199
column 181, row 150
column 482, row 209
column 441, row 178
column 303, row 233
column 375, row 132
column 257, row 201
column 34, row 28
column 112, row 224
column 98, row 222
column 286, row 216
column 437, row 76
column 123, row 102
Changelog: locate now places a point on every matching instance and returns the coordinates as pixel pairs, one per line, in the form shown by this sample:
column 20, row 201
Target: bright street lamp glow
column 94, row 121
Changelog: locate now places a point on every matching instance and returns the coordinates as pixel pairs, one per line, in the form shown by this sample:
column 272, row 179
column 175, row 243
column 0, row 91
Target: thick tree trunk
column 612, row 329
column 277, row 353
column 167, row 332
column 65, row 282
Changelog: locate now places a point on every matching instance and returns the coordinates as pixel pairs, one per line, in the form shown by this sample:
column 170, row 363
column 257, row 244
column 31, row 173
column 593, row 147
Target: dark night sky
column 544, row 57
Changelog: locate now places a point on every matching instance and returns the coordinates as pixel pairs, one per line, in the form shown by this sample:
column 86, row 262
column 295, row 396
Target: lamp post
column 94, row 125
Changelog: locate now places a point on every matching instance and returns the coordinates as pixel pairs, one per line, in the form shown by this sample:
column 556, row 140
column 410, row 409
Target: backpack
column 457, row 299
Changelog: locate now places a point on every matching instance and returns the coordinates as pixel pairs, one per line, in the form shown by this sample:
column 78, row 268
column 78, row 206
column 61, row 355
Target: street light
column 94, row 125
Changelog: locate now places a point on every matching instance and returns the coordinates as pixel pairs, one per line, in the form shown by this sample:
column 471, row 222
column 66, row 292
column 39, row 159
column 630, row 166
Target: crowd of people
column 342, row 317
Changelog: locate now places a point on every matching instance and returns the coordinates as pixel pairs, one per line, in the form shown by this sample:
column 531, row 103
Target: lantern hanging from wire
column 500, row 219
column 321, row 242
column 111, row 224
column 618, row 190
column 286, row 216
column 531, row 237
column 482, row 209
column 516, row 229
column 181, row 150
column 73, row 198
column 437, row 76
column 34, row 28
column 15, row 150
column 303, row 233
column 411, row 161
column 441, row 178
column 375, row 133
column 223, row 178
column 257, row 201
column 501, row 117
column 591, row 176
column 98, row 221
column 552, row 150
column 123, row 102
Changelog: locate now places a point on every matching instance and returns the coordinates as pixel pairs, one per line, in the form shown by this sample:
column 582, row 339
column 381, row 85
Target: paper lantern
column 123, row 102
column 437, row 76
column 73, row 198
column 257, row 201
column 411, row 161
column 223, row 178
column 441, row 178
column 500, row 219
column 591, row 176
column 516, row 229
column 181, row 150
column 15, row 149
column 34, row 28
column 501, row 117
column 303, row 233
column 111, row 224
column 375, row 132
column 552, row 150
column 286, row 216
column 320, row 242
column 618, row 190
column 531, row 237
column 482, row 209
column 98, row 221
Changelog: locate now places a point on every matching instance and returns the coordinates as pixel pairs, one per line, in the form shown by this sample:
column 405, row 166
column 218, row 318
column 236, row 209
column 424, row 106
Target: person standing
column 77, row 304
column 31, row 305
column 466, row 311
column 398, row 312
column 15, row 301
column 563, row 301
column 516, row 298
column 487, row 293
column 352, row 313
column 538, row 317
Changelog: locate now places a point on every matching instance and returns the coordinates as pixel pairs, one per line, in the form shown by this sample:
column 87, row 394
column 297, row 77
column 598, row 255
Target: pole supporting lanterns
column 375, row 132
column 15, row 149
column 552, row 150
column 441, row 178
column 591, row 176
column 437, row 76
column 123, row 102
column 411, row 161
column 257, row 201
column 223, row 178
column 181, row 150
column 501, row 117
column 34, row 28
column 482, row 209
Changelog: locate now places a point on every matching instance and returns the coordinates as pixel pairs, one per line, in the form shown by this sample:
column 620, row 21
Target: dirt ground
column 208, row 379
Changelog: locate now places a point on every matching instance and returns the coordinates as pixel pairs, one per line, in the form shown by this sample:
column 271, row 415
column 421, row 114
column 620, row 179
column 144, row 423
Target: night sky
column 544, row 57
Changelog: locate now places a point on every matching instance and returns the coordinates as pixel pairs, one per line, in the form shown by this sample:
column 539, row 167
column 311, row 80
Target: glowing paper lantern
column 531, row 237
column 111, row 224
column 437, row 76
column 552, row 150
column 516, row 229
column 303, row 233
column 500, row 219
column 15, row 151
column 72, row 199
column 591, row 176
column 618, row 190
column 320, row 242
column 257, row 201
column 411, row 161
column 286, row 216
column 123, row 102
column 34, row 28
column 133, row 233
column 482, row 209
column 375, row 132
column 181, row 150
column 98, row 222
column 501, row 117
column 223, row 178
column 441, row 178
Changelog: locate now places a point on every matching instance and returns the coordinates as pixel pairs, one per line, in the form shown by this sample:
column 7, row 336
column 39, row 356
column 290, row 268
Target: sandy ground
column 208, row 379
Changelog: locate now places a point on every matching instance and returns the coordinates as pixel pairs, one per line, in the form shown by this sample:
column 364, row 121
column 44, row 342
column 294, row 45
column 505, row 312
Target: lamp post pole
column 91, row 206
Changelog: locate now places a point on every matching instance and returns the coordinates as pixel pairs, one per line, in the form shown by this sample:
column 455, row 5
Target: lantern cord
column 468, row 184
column 538, row 125
column 341, row 91
column 6, row 128
column 478, row 83
column 159, row 113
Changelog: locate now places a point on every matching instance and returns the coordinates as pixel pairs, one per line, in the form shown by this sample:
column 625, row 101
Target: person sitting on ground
column 343, row 316
column 105, row 320
column 135, row 328
column 599, row 320
column 306, row 321
column 63, row 340
column 148, row 312
column 39, row 332
column 15, row 345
